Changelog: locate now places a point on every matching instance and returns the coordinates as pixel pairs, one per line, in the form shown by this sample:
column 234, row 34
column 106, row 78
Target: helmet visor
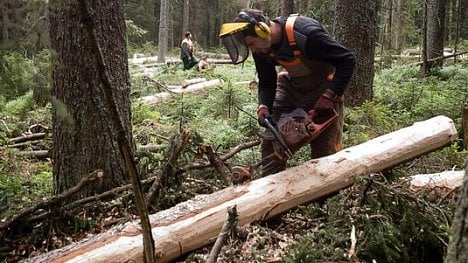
column 232, row 35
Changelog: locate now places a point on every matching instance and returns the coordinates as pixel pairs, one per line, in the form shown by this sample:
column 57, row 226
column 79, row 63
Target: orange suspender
column 289, row 27
column 290, row 34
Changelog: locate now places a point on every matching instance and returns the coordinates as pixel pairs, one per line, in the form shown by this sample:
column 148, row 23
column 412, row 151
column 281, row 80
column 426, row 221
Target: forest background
column 407, row 87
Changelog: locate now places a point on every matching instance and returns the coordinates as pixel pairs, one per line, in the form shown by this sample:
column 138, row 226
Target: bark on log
column 28, row 137
column 196, row 223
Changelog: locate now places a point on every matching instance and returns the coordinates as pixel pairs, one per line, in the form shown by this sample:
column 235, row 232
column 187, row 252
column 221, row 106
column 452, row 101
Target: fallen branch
column 168, row 167
column 232, row 152
column 216, row 162
column 53, row 200
column 440, row 58
column 228, row 225
column 150, row 180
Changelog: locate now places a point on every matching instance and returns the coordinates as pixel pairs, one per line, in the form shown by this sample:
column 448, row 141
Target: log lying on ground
column 152, row 99
column 184, row 83
column 446, row 179
column 196, row 223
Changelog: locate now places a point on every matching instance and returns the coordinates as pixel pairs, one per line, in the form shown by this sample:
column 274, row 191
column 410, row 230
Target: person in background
column 317, row 70
column 186, row 52
column 203, row 64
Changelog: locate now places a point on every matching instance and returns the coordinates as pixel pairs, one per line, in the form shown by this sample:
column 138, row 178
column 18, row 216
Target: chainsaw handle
column 318, row 127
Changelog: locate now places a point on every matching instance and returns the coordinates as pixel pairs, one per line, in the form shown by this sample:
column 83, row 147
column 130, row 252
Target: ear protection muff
column 261, row 29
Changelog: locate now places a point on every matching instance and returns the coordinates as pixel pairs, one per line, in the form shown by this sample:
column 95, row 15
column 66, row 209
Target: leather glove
column 325, row 104
column 262, row 113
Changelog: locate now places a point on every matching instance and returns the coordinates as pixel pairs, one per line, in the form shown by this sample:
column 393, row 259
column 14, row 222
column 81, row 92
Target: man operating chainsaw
column 316, row 71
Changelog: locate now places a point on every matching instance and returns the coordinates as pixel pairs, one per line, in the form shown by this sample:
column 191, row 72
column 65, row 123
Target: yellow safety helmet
column 233, row 34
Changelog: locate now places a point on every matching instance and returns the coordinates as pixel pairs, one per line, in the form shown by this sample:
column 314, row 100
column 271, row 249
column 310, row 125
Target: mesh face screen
column 236, row 47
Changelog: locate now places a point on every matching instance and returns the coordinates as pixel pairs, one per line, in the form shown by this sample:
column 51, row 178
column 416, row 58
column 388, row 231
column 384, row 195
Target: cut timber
column 196, row 223
column 187, row 82
column 446, row 179
column 153, row 99
column 199, row 86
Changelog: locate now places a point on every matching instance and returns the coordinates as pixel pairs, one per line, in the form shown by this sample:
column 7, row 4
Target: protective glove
column 262, row 113
column 325, row 104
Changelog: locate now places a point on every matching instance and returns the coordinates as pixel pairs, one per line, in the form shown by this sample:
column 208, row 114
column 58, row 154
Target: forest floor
column 324, row 226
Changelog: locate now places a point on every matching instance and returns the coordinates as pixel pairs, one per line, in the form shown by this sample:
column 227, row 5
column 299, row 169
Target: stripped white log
column 187, row 82
column 445, row 179
column 196, row 223
column 199, row 86
column 153, row 99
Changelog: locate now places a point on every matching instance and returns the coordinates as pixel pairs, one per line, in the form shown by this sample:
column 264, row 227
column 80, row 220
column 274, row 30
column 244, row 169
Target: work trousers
column 189, row 62
column 292, row 93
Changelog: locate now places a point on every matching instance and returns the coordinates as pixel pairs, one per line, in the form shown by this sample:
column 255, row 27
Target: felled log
column 152, row 99
column 196, row 223
column 28, row 137
column 39, row 154
column 446, row 180
column 187, row 82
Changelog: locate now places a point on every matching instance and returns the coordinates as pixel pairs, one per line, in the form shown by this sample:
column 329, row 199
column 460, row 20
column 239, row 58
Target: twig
column 232, row 152
column 98, row 197
column 216, row 162
column 228, row 225
column 168, row 167
column 53, row 200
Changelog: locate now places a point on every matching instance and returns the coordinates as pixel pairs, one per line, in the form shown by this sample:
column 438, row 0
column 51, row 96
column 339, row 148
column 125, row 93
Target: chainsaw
column 292, row 131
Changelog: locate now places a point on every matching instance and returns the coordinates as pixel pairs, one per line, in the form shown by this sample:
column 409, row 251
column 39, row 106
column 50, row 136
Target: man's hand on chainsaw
column 262, row 113
column 325, row 104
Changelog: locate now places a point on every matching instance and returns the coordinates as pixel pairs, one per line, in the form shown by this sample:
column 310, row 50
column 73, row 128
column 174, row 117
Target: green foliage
column 19, row 75
column 21, row 105
column 392, row 225
column 368, row 121
column 142, row 112
column 440, row 94
column 16, row 76
column 135, row 36
column 22, row 183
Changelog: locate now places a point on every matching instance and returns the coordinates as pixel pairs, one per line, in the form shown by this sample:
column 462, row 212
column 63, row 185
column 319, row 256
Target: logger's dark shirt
column 317, row 45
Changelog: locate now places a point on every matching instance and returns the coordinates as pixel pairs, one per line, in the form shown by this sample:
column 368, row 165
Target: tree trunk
column 388, row 29
column 458, row 246
column 287, row 7
column 162, row 44
column 185, row 17
column 356, row 28
column 84, row 138
column 435, row 29
column 398, row 26
column 196, row 223
column 425, row 67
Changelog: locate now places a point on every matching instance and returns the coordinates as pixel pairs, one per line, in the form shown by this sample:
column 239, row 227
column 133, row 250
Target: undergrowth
column 391, row 222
